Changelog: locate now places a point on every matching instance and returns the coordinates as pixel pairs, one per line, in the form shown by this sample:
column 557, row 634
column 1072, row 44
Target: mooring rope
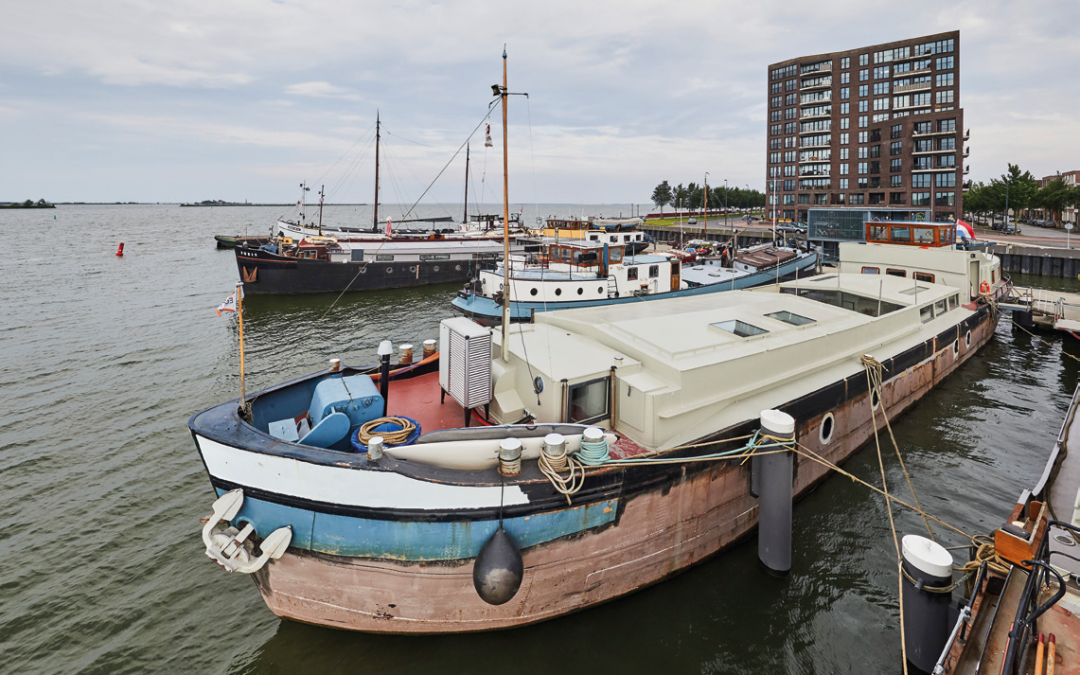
column 367, row 432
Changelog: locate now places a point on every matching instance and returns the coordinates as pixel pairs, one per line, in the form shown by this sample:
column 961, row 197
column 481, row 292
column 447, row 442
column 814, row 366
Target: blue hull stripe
column 411, row 540
column 476, row 305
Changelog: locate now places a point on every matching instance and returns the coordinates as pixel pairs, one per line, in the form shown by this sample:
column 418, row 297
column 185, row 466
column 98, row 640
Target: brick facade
column 876, row 126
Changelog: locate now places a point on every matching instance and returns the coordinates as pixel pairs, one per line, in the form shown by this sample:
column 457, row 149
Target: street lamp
column 705, row 209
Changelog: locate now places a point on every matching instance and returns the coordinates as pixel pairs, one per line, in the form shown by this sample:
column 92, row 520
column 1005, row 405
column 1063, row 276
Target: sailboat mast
column 375, row 217
column 506, row 227
column 322, row 196
column 465, row 216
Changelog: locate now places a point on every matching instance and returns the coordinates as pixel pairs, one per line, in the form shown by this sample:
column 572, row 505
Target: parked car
column 790, row 228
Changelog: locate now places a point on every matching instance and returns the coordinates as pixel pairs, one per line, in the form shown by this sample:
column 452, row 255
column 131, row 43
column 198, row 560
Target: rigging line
column 344, row 154
column 388, row 133
column 351, row 172
column 456, row 153
column 532, row 153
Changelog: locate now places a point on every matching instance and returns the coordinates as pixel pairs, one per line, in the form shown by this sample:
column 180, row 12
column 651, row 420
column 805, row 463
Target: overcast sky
column 144, row 100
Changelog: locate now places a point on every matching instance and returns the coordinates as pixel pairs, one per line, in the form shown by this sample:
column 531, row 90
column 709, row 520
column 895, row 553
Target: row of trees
column 692, row 195
column 1018, row 190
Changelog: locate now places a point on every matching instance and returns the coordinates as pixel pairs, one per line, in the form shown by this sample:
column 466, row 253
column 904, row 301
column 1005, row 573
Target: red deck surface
column 420, row 398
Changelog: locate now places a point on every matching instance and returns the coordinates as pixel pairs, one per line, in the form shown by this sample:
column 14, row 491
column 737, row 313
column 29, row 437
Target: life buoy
column 984, row 288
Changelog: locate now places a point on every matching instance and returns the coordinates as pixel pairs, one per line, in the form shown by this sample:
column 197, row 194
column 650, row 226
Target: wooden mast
column 375, row 217
column 506, row 227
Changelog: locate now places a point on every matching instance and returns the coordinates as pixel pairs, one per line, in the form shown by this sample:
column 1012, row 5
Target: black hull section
column 267, row 274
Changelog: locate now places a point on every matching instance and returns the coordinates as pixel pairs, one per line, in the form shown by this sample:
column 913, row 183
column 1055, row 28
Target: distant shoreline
column 24, row 206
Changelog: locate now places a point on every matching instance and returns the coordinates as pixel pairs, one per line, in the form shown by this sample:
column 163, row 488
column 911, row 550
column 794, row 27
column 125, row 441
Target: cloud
column 321, row 90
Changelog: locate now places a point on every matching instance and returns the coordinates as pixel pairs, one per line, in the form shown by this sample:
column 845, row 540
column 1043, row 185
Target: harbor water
column 104, row 358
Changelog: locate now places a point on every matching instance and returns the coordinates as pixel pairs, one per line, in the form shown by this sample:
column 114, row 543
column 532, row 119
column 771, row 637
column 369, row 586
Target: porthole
column 389, row 270
column 875, row 400
column 457, row 268
column 413, row 268
column 967, row 339
column 956, row 348
column 363, row 270
column 580, row 290
column 435, row 269
column 558, row 291
column 825, row 431
column 533, row 291
column 599, row 290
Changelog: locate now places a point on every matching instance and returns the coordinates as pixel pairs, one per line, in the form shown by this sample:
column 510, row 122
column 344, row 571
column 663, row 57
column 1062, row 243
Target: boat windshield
column 845, row 300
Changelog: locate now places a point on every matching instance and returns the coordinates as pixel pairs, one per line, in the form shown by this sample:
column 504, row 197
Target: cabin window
column 631, row 273
column 924, row 235
column 939, row 307
column 825, row 431
column 923, row 276
column 879, row 232
column 615, row 256
column 739, row 328
column 788, row 317
column 434, row 256
column 926, row 313
column 871, row 270
column 588, row 401
column 614, row 239
column 900, row 235
column 914, row 291
column 594, row 237
column 857, row 303
column 384, row 258
column 896, row 273
column 654, row 271
column 954, row 302
column 993, row 276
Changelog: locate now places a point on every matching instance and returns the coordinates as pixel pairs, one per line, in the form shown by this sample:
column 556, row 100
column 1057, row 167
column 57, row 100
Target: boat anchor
column 227, row 547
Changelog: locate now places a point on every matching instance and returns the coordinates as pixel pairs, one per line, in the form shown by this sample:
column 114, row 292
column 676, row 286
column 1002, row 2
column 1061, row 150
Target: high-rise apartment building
column 878, row 128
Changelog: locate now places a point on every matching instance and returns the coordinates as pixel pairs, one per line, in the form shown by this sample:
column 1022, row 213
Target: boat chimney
column 774, row 482
column 927, row 570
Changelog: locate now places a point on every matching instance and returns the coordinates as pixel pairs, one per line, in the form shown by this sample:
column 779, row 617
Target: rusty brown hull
column 658, row 533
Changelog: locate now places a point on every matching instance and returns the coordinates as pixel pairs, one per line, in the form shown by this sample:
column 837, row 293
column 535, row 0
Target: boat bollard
column 928, row 570
column 430, row 347
column 555, row 450
column 335, row 365
column 374, row 448
column 510, row 457
column 405, row 352
column 775, row 487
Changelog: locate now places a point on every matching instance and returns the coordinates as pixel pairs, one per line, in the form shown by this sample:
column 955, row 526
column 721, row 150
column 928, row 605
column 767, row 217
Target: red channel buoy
column 120, row 251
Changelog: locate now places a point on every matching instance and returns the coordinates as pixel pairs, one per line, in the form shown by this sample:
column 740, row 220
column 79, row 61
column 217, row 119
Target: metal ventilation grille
column 465, row 373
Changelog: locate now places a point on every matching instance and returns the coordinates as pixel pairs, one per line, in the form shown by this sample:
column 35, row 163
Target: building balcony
column 967, row 135
column 815, row 131
column 825, row 100
column 967, row 151
column 905, row 88
column 934, row 152
column 820, row 68
column 816, row 116
column 914, row 72
column 815, row 173
column 911, row 107
column 815, row 160
column 818, row 145
column 814, row 87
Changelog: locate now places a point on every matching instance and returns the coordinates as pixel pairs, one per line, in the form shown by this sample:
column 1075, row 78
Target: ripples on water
column 102, row 570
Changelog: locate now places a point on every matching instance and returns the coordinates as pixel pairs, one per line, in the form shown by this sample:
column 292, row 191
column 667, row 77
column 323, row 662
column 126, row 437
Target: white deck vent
column 465, row 364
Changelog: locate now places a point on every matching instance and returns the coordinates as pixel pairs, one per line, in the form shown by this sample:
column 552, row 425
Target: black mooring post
column 384, row 382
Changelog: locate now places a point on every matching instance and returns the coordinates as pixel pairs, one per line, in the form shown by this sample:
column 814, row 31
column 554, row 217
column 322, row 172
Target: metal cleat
column 227, row 547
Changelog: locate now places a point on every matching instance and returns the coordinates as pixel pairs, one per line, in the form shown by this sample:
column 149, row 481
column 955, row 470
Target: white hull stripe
column 344, row 486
